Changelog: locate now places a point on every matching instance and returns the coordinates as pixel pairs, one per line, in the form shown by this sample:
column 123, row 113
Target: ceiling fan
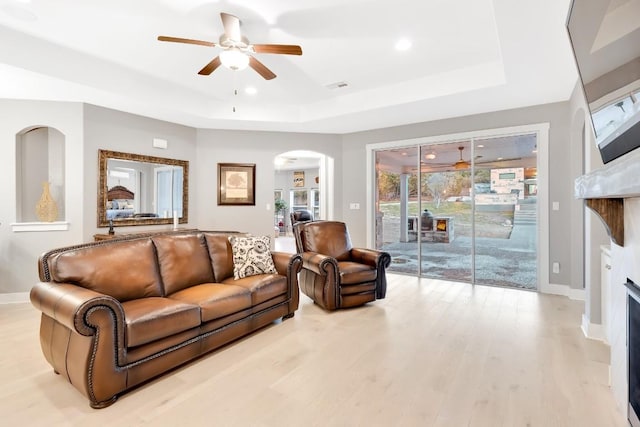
column 462, row 164
column 236, row 49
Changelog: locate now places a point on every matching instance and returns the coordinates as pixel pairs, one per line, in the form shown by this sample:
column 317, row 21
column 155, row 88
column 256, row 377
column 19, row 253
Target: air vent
column 337, row 85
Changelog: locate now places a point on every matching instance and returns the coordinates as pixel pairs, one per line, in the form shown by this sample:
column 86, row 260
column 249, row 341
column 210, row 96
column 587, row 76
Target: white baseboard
column 564, row 290
column 592, row 330
column 16, row 297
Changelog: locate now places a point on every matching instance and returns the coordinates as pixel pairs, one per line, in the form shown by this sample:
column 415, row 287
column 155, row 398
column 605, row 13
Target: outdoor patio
column 505, row 253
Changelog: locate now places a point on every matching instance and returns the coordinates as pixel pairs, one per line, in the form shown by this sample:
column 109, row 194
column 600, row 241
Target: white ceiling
column 467, row 56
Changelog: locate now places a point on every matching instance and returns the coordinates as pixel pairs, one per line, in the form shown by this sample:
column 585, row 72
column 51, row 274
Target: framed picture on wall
column 236, row 184
column 298, row 179
column 299, row 199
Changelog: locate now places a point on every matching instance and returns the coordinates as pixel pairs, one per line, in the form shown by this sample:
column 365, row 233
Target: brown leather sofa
column 335, row 274
column 117, row 313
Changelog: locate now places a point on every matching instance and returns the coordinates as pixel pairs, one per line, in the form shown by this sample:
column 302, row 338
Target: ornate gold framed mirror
column 135, row 189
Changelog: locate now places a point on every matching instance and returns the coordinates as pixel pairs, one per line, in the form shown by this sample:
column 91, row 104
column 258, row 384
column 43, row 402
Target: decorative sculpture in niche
column 46, row 209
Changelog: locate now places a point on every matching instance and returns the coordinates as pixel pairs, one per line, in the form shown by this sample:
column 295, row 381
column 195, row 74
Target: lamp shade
column 234, row 59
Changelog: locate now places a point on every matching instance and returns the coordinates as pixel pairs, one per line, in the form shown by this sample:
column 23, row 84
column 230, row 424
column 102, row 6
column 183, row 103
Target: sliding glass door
column 461, row 210
column 505, row 206
column 396, row 201
column 446, row 212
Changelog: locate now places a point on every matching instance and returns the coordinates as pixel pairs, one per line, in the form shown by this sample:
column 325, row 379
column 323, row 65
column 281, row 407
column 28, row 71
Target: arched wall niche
column 40, row 155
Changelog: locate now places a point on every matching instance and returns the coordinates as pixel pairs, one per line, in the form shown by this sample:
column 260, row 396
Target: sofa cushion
column 353, row 273
column 183, row 260
column 262, row 287
column 125, row 270
column 215, row 299
column 220, row 254
column 251, row 256
column 149, row 319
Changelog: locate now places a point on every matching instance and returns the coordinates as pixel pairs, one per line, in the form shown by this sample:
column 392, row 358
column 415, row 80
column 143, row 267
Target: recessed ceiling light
column 250, row 90
column 479, row 146
column 500, row 158
column 430, row 156
column 404, row 153
column 403, row 44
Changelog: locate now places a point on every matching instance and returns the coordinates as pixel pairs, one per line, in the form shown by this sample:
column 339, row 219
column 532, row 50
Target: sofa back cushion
column 326, row 237
column 183, row 260
column 125, row 270
column 221, row 255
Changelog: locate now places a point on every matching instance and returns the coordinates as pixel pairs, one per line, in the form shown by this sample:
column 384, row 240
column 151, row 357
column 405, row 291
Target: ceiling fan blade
column 210, row 67
column 287, row 49
column 260, row 68
column 231, row 24
column 187, row 41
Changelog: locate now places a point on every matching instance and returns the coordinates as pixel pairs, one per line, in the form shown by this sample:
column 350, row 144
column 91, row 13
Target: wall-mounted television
column 605, row 36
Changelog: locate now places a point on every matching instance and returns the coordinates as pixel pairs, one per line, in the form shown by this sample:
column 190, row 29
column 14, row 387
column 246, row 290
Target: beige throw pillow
column 251, row 256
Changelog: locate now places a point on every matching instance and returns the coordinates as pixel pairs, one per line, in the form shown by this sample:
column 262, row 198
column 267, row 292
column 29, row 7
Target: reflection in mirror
column 605, row 36
column 141, row 190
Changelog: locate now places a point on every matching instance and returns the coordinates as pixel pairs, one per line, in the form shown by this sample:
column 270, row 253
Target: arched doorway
column 303, row 180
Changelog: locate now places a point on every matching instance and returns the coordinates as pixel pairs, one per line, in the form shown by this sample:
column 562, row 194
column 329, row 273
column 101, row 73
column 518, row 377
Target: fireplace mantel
column 605, row 189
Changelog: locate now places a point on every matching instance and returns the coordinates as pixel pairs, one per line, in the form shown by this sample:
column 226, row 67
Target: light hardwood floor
column 432, row 353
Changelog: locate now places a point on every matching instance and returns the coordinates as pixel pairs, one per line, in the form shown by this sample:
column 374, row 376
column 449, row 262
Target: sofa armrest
column 69, row 305
column 285, row 261
column 82, row 336
column 289, row 265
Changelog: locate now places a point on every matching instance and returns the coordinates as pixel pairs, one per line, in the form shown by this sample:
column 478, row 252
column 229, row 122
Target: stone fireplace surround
column 614, row 193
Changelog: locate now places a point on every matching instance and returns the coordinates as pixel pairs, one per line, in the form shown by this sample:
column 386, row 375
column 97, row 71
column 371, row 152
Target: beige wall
column 19, row 251
column 88, row 128
column 118, row 131
column 219, row 146
column 561, row 179
column 586, row 225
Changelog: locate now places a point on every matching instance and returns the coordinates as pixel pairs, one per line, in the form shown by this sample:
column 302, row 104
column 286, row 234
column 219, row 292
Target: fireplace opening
column 633, row 349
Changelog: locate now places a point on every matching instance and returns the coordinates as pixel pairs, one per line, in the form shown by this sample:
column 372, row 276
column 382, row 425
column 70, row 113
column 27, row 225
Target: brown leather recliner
column 300, row 215
column 335, row 274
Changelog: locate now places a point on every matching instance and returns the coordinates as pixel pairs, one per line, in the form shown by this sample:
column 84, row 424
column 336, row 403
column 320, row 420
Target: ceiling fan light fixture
column 234, row 59
column 461, row 164
column 403, row 44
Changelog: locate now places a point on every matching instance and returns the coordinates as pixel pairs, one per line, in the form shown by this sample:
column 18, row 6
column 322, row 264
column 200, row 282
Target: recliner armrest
column 319, row 263
column 370, row 257
column 380, row 260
